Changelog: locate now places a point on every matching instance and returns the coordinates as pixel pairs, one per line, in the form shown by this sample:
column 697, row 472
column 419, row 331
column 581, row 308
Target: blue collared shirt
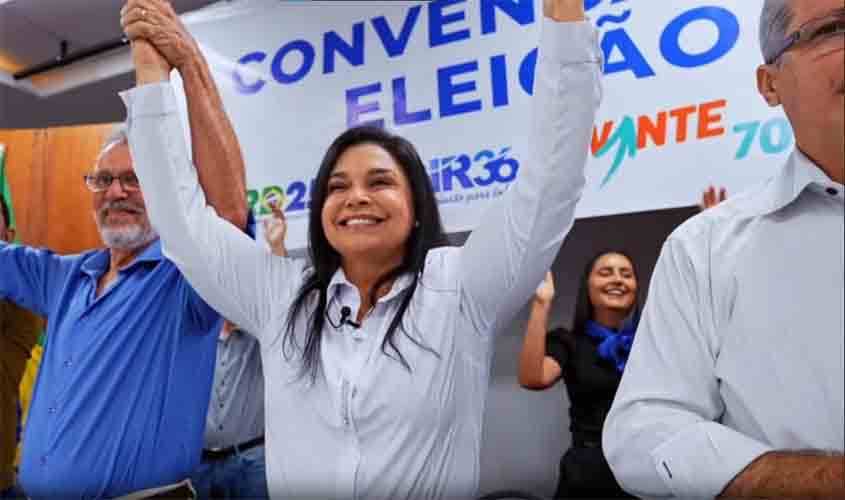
column 125, row 379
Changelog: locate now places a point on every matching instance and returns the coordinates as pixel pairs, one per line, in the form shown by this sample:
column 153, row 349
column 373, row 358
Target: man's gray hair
column 119, row 134
column 774, row 21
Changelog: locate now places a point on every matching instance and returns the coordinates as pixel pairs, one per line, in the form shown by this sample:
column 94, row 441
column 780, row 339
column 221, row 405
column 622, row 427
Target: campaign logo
column 455, row 178
column 694, row 122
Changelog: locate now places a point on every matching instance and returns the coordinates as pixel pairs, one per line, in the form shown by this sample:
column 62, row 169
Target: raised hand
column 227, row 329
column 709, row 199
column 564, row 10
column 157, row 22
column 546, row 291
column 150, row 65
column 275, row 229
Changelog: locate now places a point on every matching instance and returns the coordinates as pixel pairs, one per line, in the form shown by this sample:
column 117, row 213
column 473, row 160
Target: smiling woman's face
column 369, row 210
column 612, row 283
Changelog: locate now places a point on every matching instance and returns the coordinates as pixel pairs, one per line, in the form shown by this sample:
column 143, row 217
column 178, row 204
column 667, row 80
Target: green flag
column 5, row 190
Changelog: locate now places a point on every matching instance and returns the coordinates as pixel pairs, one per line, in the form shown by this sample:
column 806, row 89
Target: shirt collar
column 798, row 174
column 98, row 262
column 339, row 281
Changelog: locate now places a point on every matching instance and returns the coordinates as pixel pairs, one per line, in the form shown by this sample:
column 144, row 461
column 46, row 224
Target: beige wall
column 45, row 169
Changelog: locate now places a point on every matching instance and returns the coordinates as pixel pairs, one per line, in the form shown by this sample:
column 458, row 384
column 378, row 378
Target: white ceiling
column 31, row 32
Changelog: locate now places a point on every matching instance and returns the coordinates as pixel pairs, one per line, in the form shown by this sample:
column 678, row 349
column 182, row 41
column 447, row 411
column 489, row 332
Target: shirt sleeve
column 201, row 316
column 556, row 346
column 239, row 278
column 663, row 436
column 204, row 318
column 28, row 276
column 505, row 257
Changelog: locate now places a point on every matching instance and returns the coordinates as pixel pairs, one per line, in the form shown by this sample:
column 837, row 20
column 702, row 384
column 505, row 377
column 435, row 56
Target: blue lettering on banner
column 243, row 87
column 437, row 22
column 449, row 89
column 458, row 84
column 401, row 115
column 485, row 173
column 526, row 72
column 459, row 172
column 334, row 44
column 395, row 45
column 449, row 172
column 354, row 109
column 304, row 48
column 724, row 20
column 591, row 4
column 521, row 11
column 499, row 77
column 500, row 169
column 618, row 40
column 632, row 59
column 457, row 92
column 446, row 25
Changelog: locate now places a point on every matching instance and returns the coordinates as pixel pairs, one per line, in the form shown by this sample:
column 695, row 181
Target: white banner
column 680, row 109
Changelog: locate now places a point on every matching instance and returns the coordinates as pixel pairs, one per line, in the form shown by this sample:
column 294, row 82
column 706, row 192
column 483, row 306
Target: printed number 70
column 775, row 136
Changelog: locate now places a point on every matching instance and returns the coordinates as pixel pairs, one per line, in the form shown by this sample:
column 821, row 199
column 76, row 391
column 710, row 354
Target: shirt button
column 51, row 410
column 68, row 363
column 219, row 427
column 43, row 460
column 832, row 191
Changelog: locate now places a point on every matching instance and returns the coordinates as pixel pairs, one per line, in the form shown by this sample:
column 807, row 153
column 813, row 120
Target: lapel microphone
column 345, row 314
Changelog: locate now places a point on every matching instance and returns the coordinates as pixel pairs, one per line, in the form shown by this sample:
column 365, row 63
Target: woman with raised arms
column 377, row 352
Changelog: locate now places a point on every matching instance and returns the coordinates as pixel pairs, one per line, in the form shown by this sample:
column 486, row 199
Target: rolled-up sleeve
column 662, row 437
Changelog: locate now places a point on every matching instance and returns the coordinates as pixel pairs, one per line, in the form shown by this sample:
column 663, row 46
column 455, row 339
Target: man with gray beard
column 120, row 402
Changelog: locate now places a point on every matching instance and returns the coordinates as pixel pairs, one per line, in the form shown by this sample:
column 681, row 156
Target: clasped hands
column 159, row 40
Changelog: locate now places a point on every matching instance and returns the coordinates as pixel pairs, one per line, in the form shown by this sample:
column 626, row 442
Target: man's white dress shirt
column 740, row 348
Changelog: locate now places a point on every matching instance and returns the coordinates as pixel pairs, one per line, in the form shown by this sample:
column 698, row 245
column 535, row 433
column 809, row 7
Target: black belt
column 224, row 453
column 583, row 442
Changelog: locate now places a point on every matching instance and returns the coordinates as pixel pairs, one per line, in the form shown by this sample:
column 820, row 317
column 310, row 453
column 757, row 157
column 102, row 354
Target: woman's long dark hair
column 583, row 305
column 426, row 234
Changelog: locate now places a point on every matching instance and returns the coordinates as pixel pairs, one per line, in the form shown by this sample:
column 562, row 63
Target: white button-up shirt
column 368, row 427
column 740, row 348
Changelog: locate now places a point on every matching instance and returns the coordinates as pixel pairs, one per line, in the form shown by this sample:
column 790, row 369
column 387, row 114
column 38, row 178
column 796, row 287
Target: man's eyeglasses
column 103, row 181
column 814, row 34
